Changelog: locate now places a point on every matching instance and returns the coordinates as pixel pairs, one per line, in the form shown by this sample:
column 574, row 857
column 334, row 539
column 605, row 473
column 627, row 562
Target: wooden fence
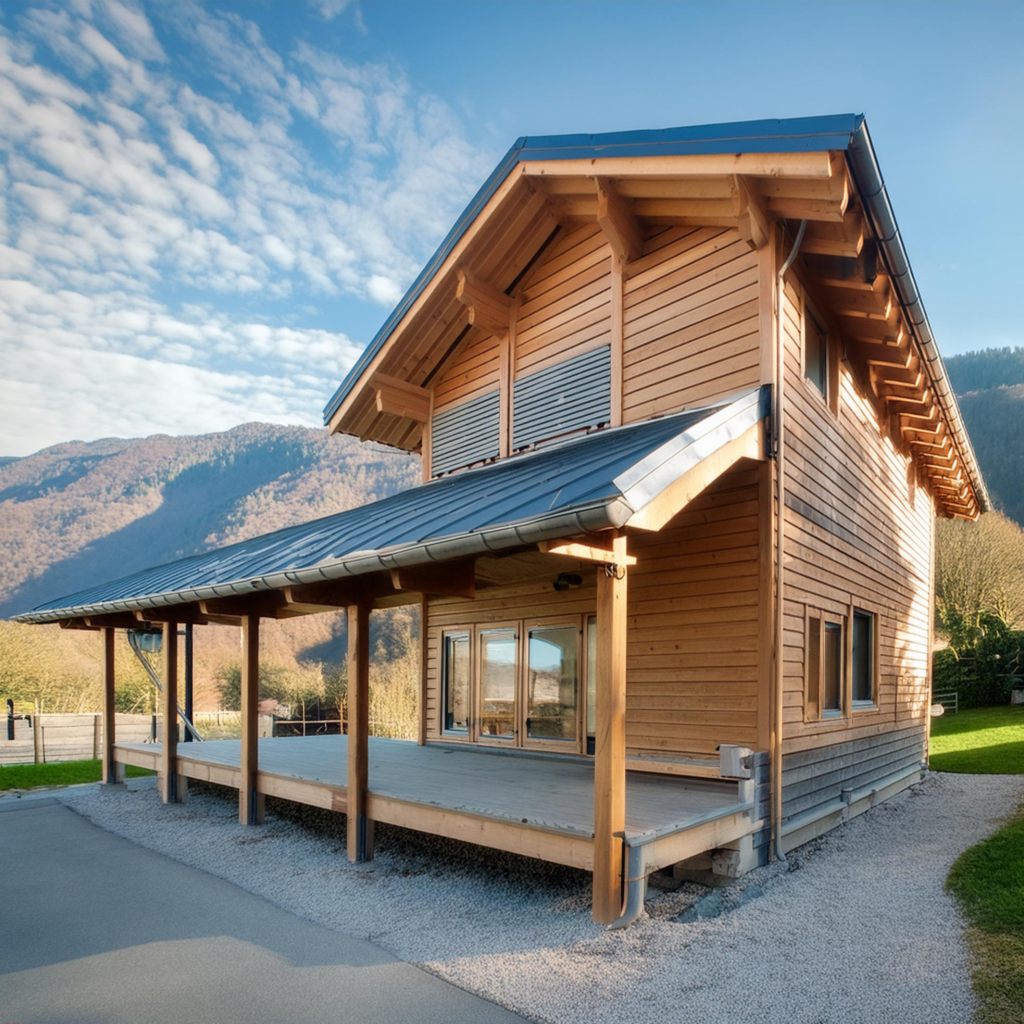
column 43, row 738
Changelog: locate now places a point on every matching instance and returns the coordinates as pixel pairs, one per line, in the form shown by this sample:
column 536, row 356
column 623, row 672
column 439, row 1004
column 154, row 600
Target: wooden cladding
column 691, row 321
column 464, row 434
column 568, row 396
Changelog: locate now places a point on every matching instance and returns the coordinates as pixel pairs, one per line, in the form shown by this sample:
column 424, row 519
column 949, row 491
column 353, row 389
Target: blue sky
column 207, row 210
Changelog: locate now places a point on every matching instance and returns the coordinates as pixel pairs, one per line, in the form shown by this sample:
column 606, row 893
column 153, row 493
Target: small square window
column 816, row 368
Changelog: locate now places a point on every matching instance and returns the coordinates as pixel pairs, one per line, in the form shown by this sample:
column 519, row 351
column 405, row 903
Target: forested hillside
column 84, row 513
column 990, row 387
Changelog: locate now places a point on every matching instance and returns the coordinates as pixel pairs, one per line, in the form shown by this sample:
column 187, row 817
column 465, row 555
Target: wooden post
column 171, row 790
column 421, row 736
column 37, row 731
column 250, row 801
column 360, row 830
column 610, row 740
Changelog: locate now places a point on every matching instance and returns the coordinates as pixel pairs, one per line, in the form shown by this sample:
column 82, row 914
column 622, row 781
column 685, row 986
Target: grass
column 62, row 773
column 988, row 880
column 980, row 741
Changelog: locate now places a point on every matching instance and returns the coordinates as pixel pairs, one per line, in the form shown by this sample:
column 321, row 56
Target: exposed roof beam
column 700, row 165
column 400, row 398
column 180, row 613
column 750, row 216
column 450, row 579
column 616, row 220
column 489, row 308
column 585, row 552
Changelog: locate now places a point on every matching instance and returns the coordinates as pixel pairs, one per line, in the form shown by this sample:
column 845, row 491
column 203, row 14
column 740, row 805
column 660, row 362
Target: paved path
column 97, row 930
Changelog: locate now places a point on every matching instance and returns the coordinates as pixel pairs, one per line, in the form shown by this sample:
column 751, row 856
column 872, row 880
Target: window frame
column 515, row 628
column 831, row 353
column 858, row 705
column 578, row 744
column 459, row 735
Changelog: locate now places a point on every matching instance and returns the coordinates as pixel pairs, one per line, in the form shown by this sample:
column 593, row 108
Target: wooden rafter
column 618, row 223
column 489, row 308
column 397, row 397
column 751, row 218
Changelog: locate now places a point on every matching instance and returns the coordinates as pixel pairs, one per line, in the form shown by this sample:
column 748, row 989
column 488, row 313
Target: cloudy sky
column 207, row 210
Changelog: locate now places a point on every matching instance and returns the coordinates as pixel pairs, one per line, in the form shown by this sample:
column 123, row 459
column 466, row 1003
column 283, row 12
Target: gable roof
column 792, row 135
column 847, row 133
column 595, row 482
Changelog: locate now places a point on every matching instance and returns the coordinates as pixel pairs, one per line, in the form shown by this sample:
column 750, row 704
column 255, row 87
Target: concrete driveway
column 97, row 930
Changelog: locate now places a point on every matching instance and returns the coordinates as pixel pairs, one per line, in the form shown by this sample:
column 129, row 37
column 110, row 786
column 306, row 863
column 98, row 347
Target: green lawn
column 988, row 880
column 64, row 773
column 980, row 741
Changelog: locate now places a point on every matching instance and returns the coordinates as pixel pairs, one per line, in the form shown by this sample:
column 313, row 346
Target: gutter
column 609, row 513
column 871, row 186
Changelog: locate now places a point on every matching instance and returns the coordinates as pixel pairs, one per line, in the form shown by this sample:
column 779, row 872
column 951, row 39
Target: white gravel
column 859, row 931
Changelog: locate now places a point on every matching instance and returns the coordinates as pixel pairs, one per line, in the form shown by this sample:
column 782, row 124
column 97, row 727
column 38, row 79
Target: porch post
column 111, row 772
column 169, row 749
column 360, row 829
column 610, row 739
column 250, row 801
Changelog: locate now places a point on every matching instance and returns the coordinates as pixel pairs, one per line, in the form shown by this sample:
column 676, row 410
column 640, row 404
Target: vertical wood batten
column 360, row 835
column 250, row 801
column 618, row 343
column 111, row 772
column 610, row 741
column 421, row 735
column 173, row 786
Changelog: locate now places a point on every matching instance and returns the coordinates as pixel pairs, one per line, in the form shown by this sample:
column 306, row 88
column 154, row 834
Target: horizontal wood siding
column 858, row 532
column 812, row 779
column 471, row 372
column 693, row 625
column 690, row 311
column 565, row 306
column 692, row 643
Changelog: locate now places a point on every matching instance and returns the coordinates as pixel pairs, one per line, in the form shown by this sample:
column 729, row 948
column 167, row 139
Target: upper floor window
column 816, row 354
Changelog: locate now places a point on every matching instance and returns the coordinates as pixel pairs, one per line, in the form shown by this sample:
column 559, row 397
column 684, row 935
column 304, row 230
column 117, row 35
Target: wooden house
column 685, row 431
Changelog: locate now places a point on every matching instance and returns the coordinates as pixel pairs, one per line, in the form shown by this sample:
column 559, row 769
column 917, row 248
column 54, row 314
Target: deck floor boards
column 546, row 792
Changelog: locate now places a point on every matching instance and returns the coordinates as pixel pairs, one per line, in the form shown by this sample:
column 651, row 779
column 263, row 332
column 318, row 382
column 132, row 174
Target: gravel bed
column 857, row 929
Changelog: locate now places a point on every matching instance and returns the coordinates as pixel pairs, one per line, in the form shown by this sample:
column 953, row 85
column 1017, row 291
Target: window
column 456, row 682
column 863, row 657
column 497, row 684
column 551, row 675
column 832, row 669
column 816, row 368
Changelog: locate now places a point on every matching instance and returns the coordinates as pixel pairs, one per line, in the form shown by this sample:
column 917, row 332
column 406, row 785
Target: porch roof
column 596, row 482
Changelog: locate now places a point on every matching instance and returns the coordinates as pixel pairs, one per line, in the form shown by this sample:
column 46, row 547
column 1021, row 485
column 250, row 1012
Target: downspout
column 780, row 539
column 634, row 887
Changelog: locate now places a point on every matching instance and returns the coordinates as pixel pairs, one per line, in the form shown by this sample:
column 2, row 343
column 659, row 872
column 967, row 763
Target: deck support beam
column 113, row 773
column 360, row 828
column 250, row 800
column 172, row 785
column 610, row 742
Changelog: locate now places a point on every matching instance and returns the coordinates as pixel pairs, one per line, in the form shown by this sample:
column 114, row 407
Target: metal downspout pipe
column 634, row 887
column 780, row 540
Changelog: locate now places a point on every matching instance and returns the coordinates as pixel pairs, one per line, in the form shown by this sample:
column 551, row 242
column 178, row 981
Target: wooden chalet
column 685, row 431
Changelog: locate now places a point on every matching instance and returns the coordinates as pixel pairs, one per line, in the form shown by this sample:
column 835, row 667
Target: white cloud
column 127, row 190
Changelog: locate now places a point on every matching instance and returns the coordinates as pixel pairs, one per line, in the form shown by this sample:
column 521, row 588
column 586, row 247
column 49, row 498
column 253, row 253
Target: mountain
column 82, row 513
column 990, row 388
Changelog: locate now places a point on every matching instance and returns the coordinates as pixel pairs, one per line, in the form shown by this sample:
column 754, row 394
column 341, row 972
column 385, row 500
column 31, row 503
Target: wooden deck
column 539, row 806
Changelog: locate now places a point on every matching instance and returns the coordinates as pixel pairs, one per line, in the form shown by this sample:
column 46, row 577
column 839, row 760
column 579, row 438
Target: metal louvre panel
column 465, row 434
column 568, row 396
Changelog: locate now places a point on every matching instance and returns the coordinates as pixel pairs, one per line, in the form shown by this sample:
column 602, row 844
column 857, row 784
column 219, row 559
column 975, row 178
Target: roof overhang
column 821, row 169
column 615, row 478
